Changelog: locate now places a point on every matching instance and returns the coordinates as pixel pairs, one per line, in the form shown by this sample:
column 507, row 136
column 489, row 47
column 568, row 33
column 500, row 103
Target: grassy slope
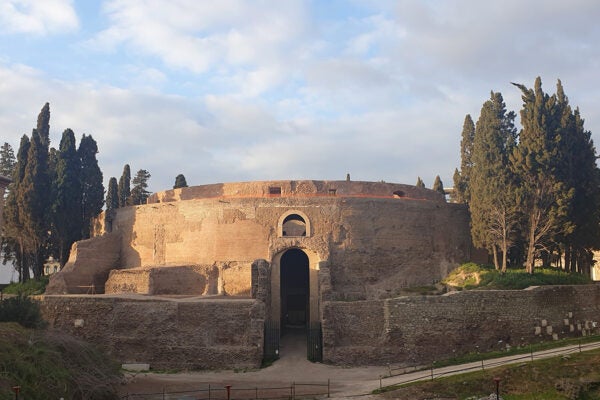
column 475, row 276
column 569, row 377
column 50, row 365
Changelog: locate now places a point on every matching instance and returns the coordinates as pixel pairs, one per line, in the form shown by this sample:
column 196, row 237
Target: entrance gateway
column 294, row 303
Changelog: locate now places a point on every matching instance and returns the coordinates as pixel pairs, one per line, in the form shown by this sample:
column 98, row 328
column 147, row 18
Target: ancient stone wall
column 181, row 334
column 418, row 330
column 374, row 245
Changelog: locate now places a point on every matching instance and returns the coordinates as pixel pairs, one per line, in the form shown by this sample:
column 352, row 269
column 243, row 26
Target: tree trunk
column 495, row 255
column 530, row 261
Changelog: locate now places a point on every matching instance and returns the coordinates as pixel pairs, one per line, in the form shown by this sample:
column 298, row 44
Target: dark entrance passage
column 294, row 289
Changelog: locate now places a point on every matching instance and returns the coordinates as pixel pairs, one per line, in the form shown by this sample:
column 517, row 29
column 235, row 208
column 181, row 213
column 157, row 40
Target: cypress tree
column 43, row 125
column 457, row 195
column 92, row 189
column 461, row 186
column 124, row 186
column 112, row 203
column 180, row 182
column 67, row 203
column 14, row 236
column 420, row 183
column 33, row 202
column 493, row 207
column 7, row 160
column 438, row 186
column 139, row 194
column 545, row 198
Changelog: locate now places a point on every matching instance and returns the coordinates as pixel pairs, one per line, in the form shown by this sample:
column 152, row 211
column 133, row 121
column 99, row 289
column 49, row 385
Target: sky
column 230, row 90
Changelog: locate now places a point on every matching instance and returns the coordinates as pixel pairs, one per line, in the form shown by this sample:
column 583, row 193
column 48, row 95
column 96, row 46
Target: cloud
column 37, row 17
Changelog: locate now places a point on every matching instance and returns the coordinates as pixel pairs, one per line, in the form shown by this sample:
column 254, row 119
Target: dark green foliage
column 92, row 189
column 43, row 125
column 112, row 203
column 66, row 208
column 124, row 187
column 139, row 194
column 494, row 216
column 420, row 183
column 438, row 186
column 544, row 197
column 52, row 365
column 7, row 160
column 33, row 203
column 22, row 310
column 180, row 182
column 462, row 179
column 31, row 287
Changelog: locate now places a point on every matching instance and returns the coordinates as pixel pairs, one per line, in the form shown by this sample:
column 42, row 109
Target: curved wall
column 375, row 242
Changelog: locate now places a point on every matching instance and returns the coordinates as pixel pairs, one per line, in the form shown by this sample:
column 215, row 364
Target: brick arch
column 289, row 215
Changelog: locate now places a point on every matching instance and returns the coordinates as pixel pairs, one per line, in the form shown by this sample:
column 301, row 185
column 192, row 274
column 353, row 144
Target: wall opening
column 295, row 290
column 293, row 225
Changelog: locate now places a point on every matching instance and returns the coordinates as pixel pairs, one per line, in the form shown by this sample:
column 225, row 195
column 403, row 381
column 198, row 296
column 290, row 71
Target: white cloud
column 37, row 17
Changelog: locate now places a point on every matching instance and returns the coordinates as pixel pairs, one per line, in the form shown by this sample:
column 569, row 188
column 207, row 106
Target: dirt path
column 291, row 367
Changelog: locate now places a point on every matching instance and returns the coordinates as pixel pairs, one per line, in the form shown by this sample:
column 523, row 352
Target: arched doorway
column 294, row 289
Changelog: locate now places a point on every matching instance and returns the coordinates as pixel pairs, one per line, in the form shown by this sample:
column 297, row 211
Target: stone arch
column 313, row 281
column 294, row 223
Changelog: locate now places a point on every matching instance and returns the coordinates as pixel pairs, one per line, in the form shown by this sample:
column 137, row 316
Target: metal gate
column 314, row 347
column 271, row 347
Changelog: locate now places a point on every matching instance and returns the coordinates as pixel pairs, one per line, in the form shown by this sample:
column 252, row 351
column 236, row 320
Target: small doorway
column 295, row 292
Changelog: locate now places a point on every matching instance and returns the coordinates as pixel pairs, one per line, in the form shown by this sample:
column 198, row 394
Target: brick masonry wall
column 166, row 334
column 418, row 330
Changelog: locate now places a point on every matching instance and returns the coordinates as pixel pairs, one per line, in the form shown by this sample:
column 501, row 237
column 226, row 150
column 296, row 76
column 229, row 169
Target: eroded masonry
column 212, row 276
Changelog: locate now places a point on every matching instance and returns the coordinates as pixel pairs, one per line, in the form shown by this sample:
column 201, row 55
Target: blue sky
column 256, row 90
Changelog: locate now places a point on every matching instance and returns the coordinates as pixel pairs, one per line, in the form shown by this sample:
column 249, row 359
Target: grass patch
column 574, row 376
column 30, row 287
column 50, row 365
column 477, row 276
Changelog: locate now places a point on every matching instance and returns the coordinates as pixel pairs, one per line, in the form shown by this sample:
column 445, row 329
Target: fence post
column 256, row 392
column 482, row 368
column 327, row 388
column 531, row 352
column 228, row 387
column 580, row 345
column 163, row 393
column 209, row 391
column 432, row 365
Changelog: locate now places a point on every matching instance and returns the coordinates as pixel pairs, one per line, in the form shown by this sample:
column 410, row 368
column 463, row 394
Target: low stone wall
column 418, row 330
column 179, row 334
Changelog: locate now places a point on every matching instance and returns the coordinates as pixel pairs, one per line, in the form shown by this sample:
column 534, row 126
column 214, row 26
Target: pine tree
column 66, row 208
column 180, row 182
column 438, row 186
column 112, row 203
column 461, row 186
column 7, row 160
column 493, row 207
column 124, row 187
column 139, row 194
column 545, row 198
column 420, row 183
column 92, row 189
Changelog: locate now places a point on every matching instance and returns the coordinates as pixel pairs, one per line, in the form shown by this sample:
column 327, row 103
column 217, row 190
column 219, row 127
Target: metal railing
column 228, row 392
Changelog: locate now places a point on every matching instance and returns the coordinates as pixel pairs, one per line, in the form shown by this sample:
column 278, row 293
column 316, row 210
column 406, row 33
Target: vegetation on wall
column 533, row 194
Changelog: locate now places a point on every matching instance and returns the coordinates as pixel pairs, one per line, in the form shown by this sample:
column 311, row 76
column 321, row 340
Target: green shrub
column 22, row 310
column 32, row 286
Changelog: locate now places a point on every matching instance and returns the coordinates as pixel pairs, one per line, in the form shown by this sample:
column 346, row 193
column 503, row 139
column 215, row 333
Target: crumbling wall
column 167, row 334
column 418, row 330
column 90, row 262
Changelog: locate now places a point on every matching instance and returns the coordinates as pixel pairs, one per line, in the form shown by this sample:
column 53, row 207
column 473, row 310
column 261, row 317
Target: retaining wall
column 418, row 330
column 169, row 333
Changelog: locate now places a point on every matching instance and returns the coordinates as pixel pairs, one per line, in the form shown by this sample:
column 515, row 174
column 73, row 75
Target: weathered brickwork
column 182, row 334
column 417, row 330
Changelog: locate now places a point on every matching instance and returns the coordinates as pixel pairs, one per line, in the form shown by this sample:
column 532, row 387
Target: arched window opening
column 399, row 193
column 294, row 225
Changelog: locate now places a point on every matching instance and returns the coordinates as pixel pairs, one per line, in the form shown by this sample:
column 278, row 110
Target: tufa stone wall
column 373, row 244
column 181, row 334
column 418, row 330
